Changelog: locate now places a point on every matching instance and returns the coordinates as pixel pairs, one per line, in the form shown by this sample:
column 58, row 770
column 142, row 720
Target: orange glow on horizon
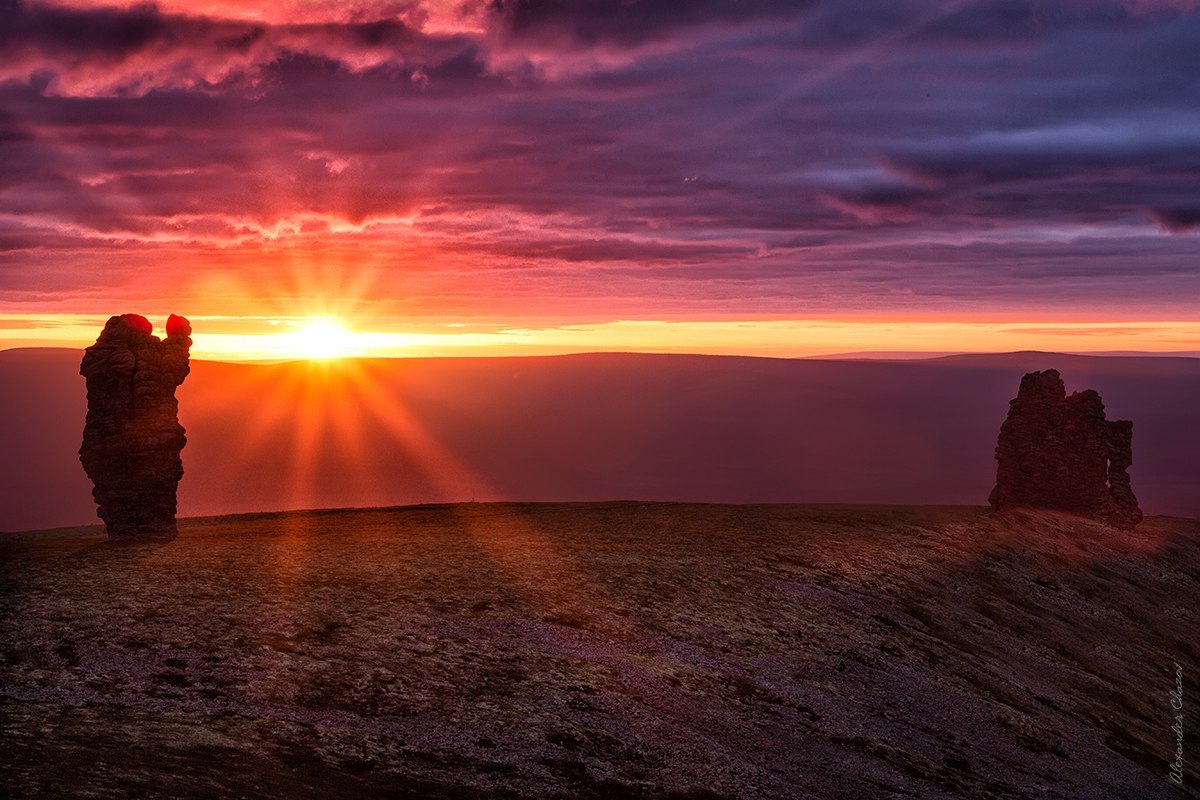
column 326, row 336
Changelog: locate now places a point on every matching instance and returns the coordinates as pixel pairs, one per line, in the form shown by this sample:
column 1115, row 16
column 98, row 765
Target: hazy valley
column 356, row 433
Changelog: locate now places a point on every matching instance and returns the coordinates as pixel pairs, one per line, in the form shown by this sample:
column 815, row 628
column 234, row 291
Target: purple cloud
column 709, row 157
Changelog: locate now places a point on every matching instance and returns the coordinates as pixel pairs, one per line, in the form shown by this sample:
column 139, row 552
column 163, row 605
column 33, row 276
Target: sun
column 322, row 338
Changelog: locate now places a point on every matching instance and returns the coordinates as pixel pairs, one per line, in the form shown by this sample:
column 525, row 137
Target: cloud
column 706, row 156
column 591, row 22
column 1179, row 220
column 99, row 51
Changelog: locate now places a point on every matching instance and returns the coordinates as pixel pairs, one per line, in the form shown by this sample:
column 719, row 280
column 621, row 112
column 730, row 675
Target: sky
column 460, row 178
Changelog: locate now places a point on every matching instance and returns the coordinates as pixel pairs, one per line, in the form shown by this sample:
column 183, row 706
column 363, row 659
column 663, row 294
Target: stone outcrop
column 132, row 438
column 1058, row 451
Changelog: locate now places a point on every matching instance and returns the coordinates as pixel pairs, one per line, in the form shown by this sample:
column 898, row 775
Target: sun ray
column 518, row 548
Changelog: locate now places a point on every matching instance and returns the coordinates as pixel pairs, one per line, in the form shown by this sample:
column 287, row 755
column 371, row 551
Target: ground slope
column 601, row 650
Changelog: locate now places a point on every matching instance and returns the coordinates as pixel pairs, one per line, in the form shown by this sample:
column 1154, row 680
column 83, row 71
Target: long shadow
column 130, row 549
column 76, row 545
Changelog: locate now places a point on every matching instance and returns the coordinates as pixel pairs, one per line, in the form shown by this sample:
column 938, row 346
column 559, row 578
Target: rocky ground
column 604, row 650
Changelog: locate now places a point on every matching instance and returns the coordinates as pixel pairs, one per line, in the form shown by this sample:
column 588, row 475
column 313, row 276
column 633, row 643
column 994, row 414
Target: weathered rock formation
column 132, row 438
column 1060, row 452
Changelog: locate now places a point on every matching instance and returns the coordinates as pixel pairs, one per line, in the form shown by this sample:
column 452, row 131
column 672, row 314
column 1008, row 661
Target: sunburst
column 321, row 338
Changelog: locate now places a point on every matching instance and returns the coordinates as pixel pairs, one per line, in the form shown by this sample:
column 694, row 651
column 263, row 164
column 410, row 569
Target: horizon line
column 868, row 355
column 208, row 519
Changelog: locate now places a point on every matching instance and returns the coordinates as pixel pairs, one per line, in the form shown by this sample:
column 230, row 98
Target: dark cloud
column 592, row 22
column 135, row 50
column 1179, row 220
column 106, row 32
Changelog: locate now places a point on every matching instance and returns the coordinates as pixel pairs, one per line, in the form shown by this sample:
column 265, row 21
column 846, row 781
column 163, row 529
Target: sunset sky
column 463, row 178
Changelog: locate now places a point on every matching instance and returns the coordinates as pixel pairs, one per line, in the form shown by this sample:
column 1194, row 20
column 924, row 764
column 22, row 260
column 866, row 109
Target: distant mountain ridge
column 914, row 355
column 596, row 426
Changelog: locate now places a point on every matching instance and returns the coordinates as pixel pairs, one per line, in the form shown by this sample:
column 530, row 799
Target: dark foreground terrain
column 602, row 650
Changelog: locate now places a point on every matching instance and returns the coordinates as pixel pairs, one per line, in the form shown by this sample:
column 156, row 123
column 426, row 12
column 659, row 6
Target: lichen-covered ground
column 604, row 650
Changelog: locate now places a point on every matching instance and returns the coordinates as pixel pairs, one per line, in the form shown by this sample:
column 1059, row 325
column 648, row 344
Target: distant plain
column 380, row 432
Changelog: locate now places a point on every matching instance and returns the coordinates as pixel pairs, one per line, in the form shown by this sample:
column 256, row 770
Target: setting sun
column 320, row 338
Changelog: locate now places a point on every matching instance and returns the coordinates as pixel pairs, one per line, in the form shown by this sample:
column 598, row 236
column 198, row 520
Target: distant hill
column 911, row 355
column 616, row 651
column 590, row 427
